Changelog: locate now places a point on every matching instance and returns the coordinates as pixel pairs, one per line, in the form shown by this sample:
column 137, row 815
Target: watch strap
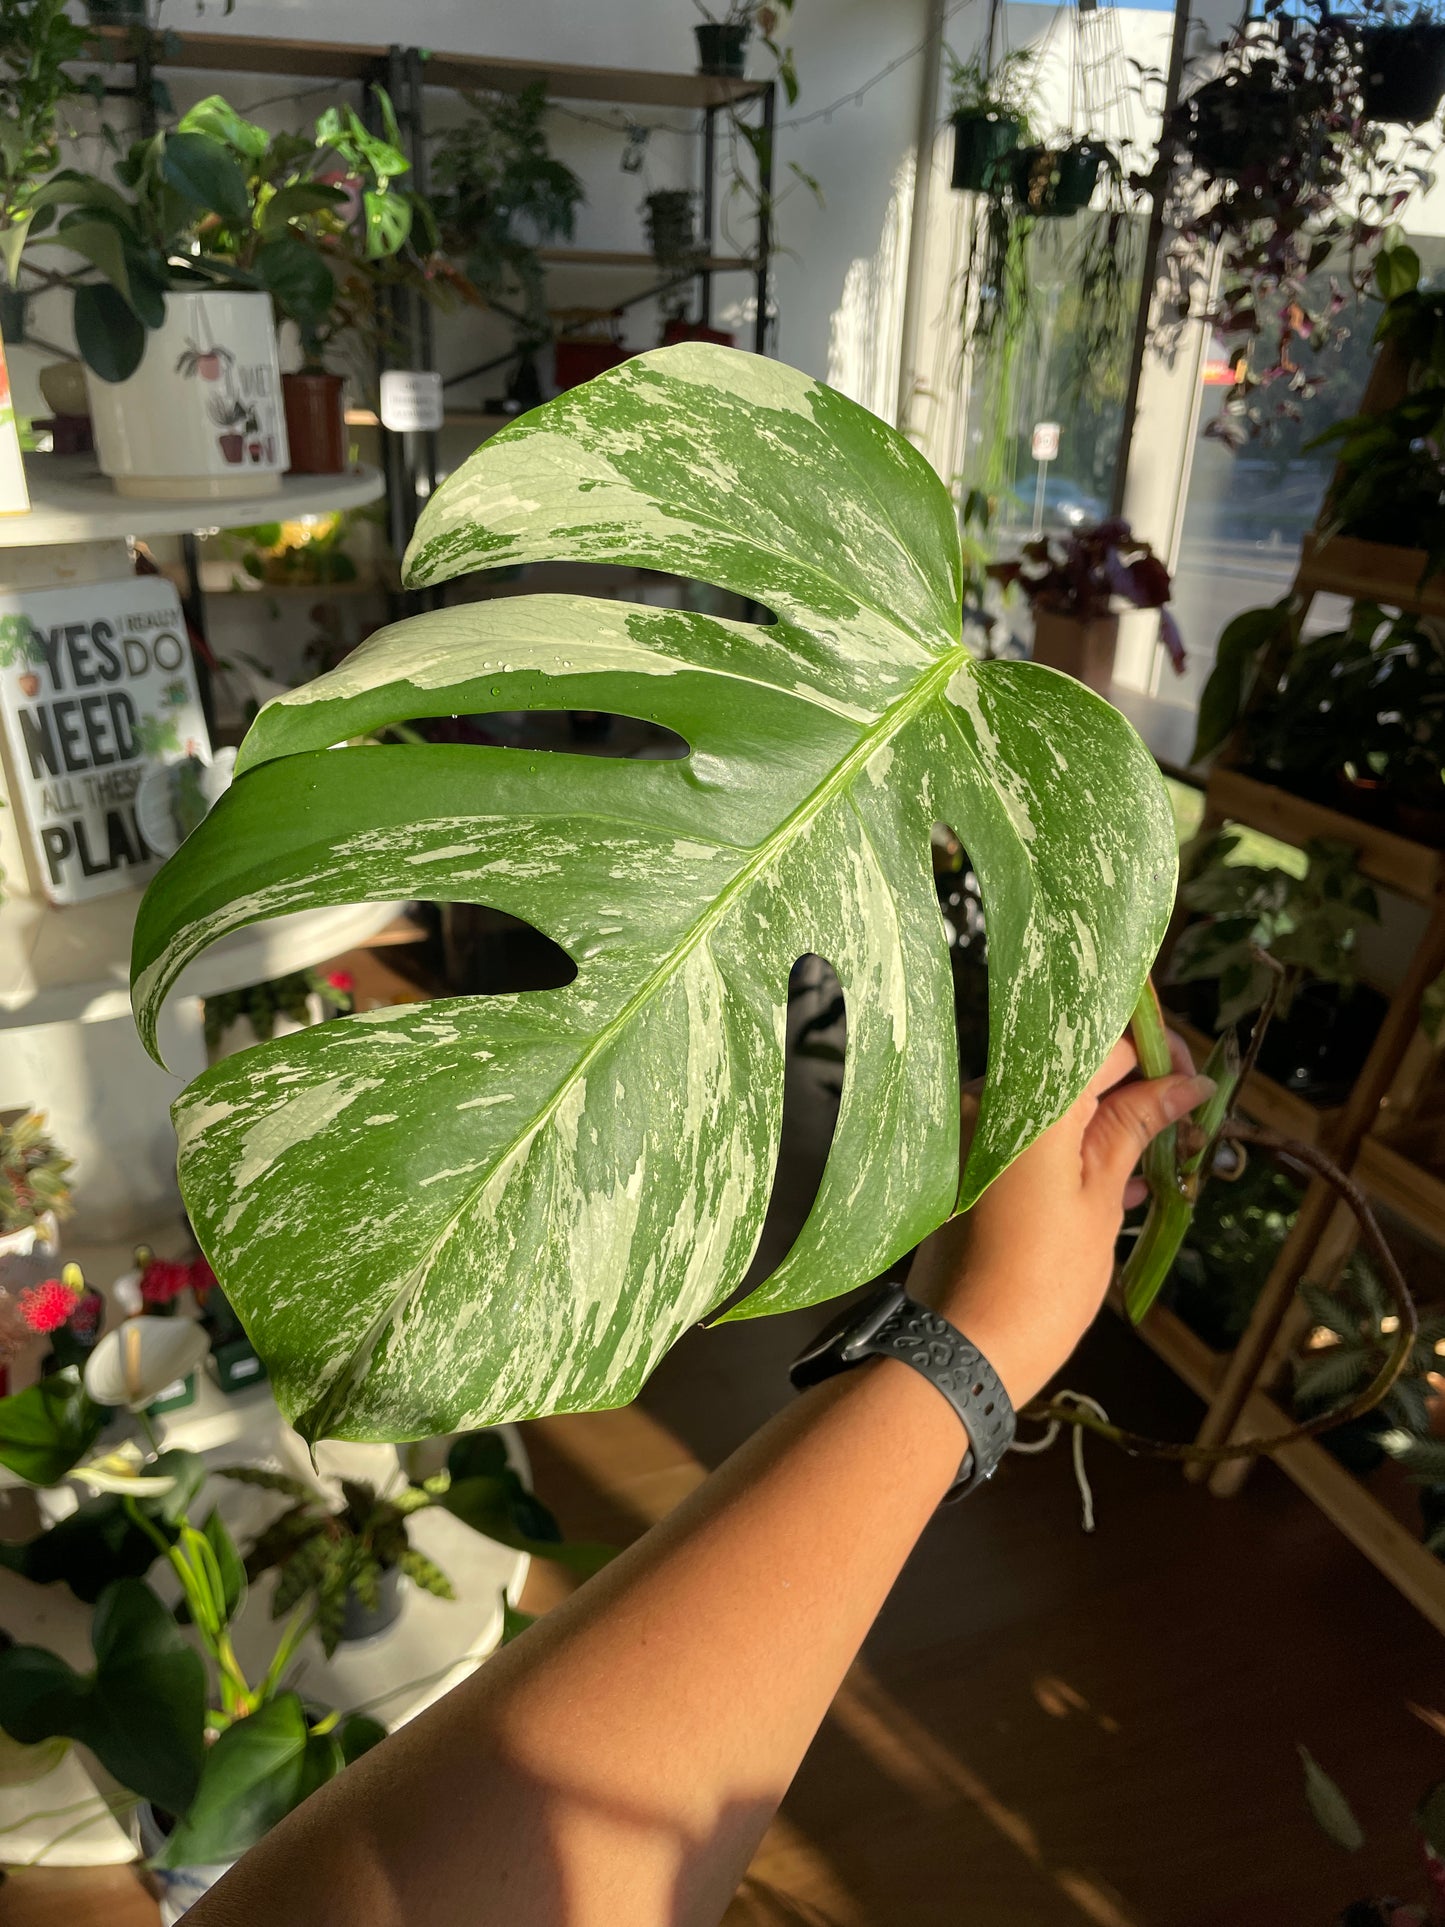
column 893, row 1325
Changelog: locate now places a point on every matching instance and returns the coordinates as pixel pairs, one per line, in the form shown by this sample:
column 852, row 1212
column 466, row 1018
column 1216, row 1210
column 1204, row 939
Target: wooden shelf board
column 627, row 258
column 1370, row 572
column 1407, row 1188
column 452, row 418
column 1368, row 1524
column 1268, row 1103
column 234, row 53
column 1413, row 869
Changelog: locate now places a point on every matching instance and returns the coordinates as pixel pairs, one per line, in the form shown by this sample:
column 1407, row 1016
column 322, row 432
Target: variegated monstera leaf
column 485, row 1207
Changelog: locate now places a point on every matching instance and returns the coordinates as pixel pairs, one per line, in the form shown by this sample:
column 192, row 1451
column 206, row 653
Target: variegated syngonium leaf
column 480, row 1208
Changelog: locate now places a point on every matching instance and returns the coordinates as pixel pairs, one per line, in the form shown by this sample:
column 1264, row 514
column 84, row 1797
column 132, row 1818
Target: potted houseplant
column 1057, row 181
column 1309, row 922
column 37, row 42
column 1272, row 166
column 1071, row 586
column 209, row 1758
column 223, row 226
column 1347, row 1343
column 34, row 1196
column 350, row 1561
column 722, row 37
column 671, row 228
column 500, row 194
column 326, row 222
column 1402, row 65
column 988, row 107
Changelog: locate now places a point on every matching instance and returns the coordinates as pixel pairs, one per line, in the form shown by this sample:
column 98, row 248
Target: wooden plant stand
column 1239, row 1387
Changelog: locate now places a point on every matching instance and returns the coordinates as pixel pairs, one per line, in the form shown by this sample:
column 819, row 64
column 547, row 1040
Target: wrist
column 980, row 1307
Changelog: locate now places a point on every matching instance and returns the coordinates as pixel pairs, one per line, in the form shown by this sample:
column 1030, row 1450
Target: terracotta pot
column 1081, row 649
column 315, row 422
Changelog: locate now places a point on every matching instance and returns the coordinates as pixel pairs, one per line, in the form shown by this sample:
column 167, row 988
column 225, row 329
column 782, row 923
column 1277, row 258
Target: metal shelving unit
column 409, row 461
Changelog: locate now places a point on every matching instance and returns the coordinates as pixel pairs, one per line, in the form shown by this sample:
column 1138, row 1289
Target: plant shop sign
column 96, row 688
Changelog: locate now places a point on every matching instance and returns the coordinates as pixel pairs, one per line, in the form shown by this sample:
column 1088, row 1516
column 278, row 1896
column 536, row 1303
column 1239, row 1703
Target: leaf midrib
column 914, row 701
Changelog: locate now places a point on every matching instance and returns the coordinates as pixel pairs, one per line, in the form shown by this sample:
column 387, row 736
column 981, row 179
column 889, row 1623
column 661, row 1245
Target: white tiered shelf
column 72, row 965
column 71, row 501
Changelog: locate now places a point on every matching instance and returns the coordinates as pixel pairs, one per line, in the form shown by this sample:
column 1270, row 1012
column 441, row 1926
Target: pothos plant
column 514, row 1204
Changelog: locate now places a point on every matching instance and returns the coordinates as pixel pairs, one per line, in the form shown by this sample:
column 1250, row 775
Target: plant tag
column 410, row 399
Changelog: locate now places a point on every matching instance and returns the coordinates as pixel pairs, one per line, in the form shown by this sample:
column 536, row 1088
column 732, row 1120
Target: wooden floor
column 1045, row 1730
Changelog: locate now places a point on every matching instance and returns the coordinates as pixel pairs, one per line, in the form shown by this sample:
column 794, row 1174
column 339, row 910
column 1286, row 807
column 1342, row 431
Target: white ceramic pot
column 181, row 1887
column 202, row 415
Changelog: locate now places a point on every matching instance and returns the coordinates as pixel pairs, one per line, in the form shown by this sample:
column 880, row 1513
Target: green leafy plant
column 48, row 1427
column 1230, row 1248
column 217, row 201
column 322, row 1555
column 1004, row 87
column 114, row 1534
column 1350, row 1339
column 500, row 195
column 1309, row 924
column 146, row 1708
column 1272, row 164
column 261, row 1004
column 34, row 1173
column 326, row 1555
column 610, row 1145
column 37, row 42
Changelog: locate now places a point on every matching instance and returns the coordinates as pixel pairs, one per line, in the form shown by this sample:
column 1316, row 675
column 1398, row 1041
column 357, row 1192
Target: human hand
column 1024, row 1273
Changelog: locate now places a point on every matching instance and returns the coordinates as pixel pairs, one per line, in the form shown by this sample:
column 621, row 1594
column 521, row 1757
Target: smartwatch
column 893, row 1325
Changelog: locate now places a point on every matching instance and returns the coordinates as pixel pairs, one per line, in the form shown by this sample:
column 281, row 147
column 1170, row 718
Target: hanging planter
column 1057, row 181
column 980, row 142
column 1402, row 70
column 1236, row 121
column 722, row 47
column 202, row 414
column 671, row 227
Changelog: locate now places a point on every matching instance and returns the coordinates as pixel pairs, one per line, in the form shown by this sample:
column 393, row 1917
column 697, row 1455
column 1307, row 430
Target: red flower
column 46, row 1307
column 162, row 1280
column 341, row 980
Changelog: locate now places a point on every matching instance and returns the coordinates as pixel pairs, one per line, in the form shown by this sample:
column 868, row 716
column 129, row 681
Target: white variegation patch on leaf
column 487, row 1207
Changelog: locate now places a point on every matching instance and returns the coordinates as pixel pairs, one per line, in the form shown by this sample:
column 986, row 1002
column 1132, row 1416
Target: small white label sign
column 410, row 400
column 1045, row 444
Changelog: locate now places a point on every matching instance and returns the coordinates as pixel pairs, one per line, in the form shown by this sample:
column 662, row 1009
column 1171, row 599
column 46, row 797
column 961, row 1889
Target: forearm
column 624, row 1759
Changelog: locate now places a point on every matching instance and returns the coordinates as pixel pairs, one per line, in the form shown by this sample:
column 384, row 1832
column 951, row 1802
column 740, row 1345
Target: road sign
column 1045, row 444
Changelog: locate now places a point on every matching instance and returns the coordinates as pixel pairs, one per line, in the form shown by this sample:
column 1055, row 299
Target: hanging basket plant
column 672, row 228
column 1402, row 69
column 1055, row 182
column 989, row 113
column 1274, row 164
